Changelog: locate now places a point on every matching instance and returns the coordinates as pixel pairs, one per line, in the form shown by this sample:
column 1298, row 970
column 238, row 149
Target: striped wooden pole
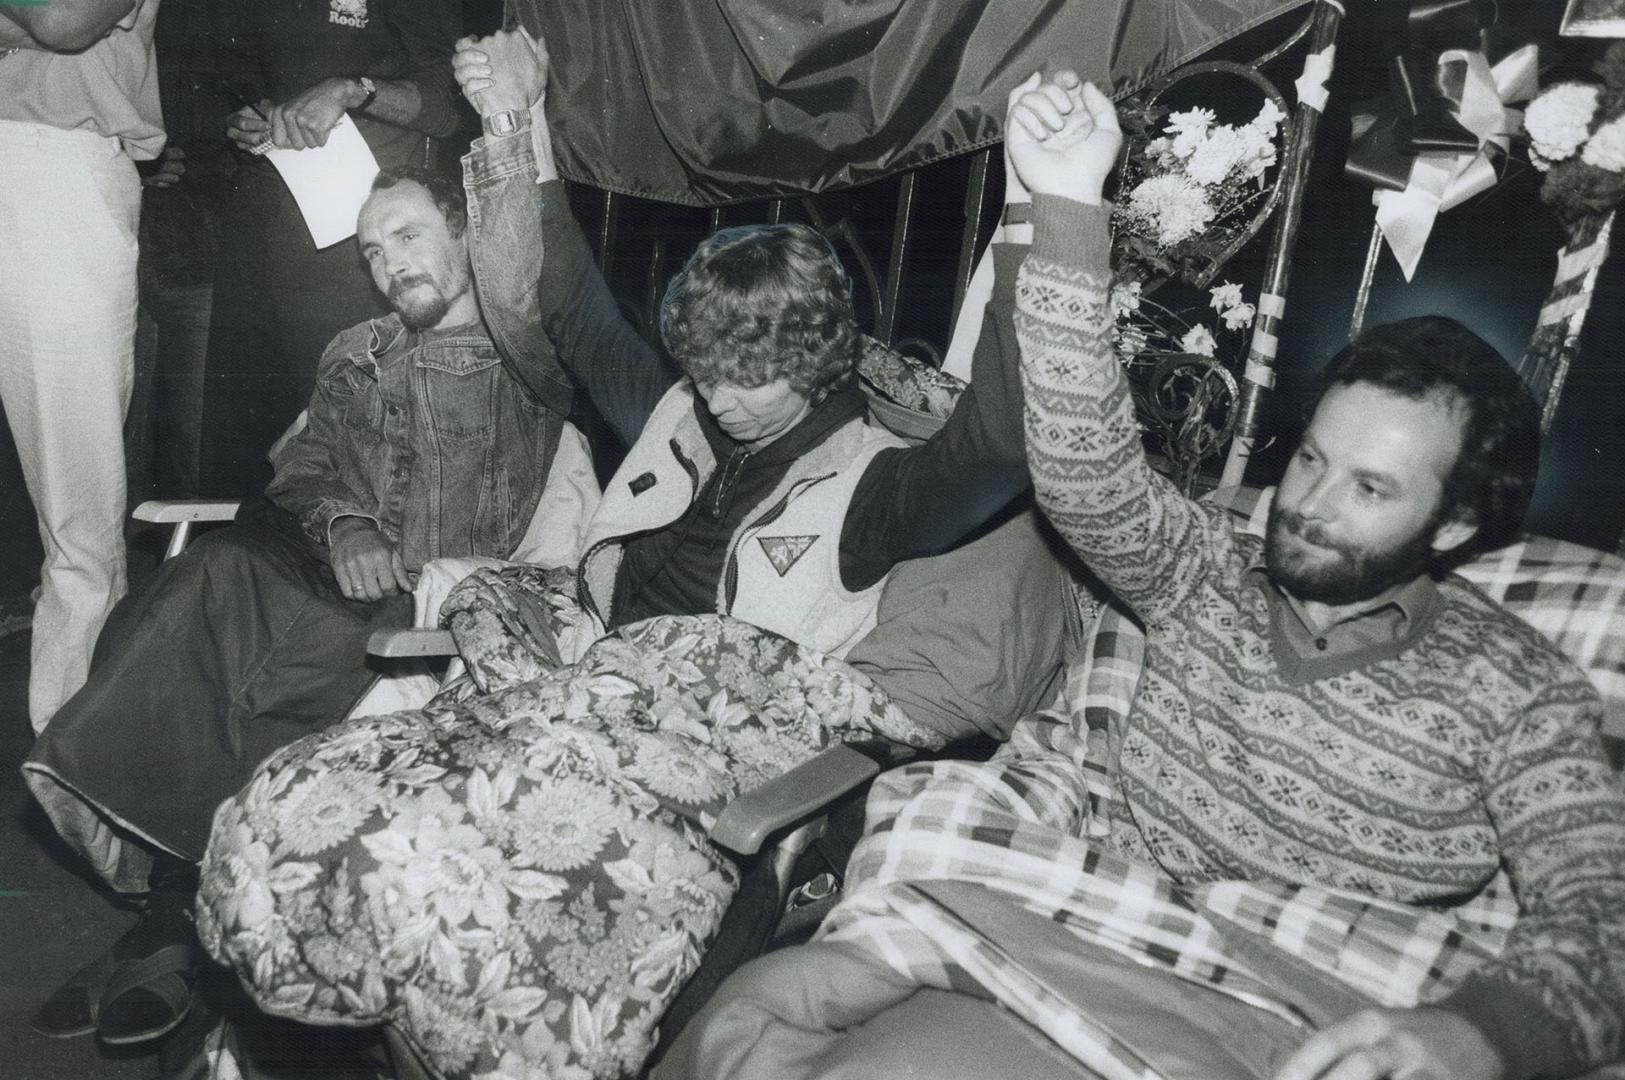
column 1545, row 363
column 1258, row 376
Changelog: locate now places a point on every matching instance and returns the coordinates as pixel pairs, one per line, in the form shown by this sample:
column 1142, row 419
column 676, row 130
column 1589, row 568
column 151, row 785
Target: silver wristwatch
column 505, row 123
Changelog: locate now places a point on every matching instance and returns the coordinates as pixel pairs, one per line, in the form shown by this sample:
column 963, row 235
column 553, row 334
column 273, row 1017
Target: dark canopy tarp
column 715, row 101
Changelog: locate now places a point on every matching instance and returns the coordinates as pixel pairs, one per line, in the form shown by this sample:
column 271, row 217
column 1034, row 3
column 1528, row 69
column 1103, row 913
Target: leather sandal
column 74, row 1007
column 149, row 997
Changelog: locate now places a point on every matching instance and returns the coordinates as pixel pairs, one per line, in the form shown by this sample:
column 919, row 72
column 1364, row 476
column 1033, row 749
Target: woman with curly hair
column 516, row 881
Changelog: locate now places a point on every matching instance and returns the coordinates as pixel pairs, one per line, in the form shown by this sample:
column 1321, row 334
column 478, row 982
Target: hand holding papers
column 328, row 182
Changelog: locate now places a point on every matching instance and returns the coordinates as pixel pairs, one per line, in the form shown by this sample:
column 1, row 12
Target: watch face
column 503, row 123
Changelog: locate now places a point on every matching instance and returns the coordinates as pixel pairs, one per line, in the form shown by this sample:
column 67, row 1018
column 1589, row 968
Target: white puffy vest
column 783, row 570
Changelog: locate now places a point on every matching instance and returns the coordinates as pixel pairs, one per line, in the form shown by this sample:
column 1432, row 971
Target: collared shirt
column 1418, row 778
column 1381, row 628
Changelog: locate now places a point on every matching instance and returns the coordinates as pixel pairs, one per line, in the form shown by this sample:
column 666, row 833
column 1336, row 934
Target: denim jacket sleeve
column 317, row 472
column 547, row 306
column 505, row 234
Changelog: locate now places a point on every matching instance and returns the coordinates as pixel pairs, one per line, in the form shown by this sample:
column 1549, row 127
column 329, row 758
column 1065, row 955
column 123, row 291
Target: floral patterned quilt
column 517, row 877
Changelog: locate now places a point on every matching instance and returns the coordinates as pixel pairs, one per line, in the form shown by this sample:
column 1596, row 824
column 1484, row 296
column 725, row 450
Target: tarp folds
column 708, row 102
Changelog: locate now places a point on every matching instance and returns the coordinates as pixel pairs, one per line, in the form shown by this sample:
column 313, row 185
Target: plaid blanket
column 1031, row 826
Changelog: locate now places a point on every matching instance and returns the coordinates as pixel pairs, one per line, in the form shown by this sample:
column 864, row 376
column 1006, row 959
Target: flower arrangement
column 1576, row 136
column 1188, row 191
column 1145, row 331
column 1185, row 194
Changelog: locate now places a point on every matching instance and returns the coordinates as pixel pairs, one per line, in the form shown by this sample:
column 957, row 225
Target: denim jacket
column 427, row 434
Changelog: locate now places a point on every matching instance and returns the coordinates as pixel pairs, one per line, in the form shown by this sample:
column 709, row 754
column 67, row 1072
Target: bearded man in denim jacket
column 418, row 445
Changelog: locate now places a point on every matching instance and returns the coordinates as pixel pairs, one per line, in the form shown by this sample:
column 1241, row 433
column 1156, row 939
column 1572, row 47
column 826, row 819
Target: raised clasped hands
column 505, row 71
column 1061, row 136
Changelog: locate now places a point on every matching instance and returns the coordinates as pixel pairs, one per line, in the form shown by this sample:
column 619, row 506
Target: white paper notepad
column 328, row 182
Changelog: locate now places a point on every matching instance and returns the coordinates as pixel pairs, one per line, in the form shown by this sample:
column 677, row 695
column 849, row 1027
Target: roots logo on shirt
column 784, row 551
column 348, row 13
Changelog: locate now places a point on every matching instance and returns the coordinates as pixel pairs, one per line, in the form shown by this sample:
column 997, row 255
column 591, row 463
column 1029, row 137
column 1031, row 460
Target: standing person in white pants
column 78, row 105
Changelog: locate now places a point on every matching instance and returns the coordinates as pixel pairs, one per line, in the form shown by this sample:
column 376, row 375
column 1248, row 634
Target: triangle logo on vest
column 784, row 551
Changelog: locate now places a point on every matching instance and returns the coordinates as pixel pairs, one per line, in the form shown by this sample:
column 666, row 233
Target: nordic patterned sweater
column 1414, row 777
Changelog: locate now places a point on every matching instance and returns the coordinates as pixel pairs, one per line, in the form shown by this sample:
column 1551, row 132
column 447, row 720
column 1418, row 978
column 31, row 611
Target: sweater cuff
column 1530, row 1038
column 1006, row 268
column 1072, row 233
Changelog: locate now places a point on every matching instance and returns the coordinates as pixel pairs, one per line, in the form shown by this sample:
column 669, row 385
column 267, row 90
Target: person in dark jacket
column 277, row 297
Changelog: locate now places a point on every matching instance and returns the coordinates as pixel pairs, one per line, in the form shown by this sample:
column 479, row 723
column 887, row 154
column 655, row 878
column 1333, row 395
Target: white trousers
column 70, row 202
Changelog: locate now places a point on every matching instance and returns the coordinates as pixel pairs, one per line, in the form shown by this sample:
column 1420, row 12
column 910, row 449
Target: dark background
column 1488, row 263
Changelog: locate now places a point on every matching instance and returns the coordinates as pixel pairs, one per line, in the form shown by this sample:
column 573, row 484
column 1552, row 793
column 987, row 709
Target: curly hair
column 757, row 303
column 1431, row 356
column 448, row 197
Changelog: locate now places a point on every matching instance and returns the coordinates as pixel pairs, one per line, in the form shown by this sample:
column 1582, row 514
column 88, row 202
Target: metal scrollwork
column 1190, row 404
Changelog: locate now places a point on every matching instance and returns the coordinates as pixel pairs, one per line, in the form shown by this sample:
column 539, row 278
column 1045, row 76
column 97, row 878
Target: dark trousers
column 232, row 650
column 161, row 433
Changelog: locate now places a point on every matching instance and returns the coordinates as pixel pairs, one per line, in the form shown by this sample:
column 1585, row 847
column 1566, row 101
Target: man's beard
column 1343, row 574
column 421, row 310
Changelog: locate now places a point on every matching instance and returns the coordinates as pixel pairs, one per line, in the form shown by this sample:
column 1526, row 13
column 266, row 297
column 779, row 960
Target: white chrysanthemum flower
column 1213, row 158
column 1258, row 151
column 1560, row 118
column 1268, row 120
column 1161, row 151
column 1224, row 296
column 1606, row 150
column 1189, row 129
column 566, row 823
column 1239, row 317
column 1174, row 205
column 1129, row 342
column 1126, row 299
column 1197, row 120
column 1198, row 340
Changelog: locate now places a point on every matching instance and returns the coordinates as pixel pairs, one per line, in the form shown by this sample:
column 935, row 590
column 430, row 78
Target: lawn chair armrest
column 395, row 644
column 181, row 513
column 746, row 823
column 171, row 511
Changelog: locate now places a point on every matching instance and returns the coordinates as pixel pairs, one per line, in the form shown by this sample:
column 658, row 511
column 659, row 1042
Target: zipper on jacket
column 583, row 592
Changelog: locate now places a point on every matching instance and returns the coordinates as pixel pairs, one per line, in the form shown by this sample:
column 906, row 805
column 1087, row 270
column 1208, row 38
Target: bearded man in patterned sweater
column 1324, row 719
